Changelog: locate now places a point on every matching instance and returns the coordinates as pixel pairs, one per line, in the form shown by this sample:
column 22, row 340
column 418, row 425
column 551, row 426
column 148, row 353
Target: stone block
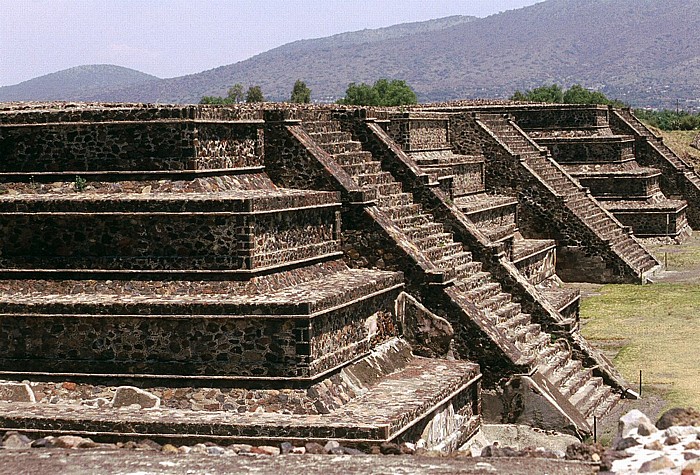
column 128, row 395
column 16, row 392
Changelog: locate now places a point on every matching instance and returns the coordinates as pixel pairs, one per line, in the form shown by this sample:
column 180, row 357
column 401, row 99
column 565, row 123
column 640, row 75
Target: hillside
column 641, row 51
column 74, row 83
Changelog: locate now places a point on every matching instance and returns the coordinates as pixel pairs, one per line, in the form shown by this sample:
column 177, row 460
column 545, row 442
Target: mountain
column 74, row 83
column 641, row 51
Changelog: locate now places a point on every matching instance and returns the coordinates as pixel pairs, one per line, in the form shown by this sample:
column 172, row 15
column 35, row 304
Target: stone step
column 386, row 189
column 554, row 358
column 400, row 199
column 473, row 281
column 561, row 373
column 485, row 291
column 381, row 178
column 457, row 263
column 536, row 344
column 604, row 406
column 323, row 138
column 599, row 403
column 413, row 220
column 423, row 231
column 197, row 297
column 433, row 240
column 321, row 126
column 525, row 333
column 461, row 269
column 362, row 168
column 520, row 319
column 442, row 252
column 353, row 158
column 398, row 402
column 493, row 303
column 342, row 147
column 404, row 211
column 575, row 380
column 507, row 312
column 589, row 394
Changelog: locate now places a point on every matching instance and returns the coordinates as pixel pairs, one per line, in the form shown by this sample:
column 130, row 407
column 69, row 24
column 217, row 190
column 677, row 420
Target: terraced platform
column 400, row 406
column 452, row 283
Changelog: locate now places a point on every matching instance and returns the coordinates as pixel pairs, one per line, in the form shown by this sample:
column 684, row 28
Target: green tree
column 382, row 93
column 360, row 95
column 394, row 93
column 552, row 94
column 211, row 100
column 235, row 94
column 254, row 94
column 301, row 94
column 576, row 94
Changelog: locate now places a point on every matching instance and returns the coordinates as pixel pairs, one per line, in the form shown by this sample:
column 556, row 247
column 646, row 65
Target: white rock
column 630, row 422
column 681, row 431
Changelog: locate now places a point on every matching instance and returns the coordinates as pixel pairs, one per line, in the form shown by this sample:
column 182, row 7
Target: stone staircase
column 576, row 199
column 478, row 295
column 425, row 138
column 679, row 177
column 607, row 163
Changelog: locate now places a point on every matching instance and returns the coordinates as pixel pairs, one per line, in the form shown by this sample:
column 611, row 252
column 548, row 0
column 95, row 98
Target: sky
column 169, row 38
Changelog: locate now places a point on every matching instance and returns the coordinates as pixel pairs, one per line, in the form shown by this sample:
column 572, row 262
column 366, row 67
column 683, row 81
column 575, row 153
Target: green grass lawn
column 657, row 328
column 654, row 328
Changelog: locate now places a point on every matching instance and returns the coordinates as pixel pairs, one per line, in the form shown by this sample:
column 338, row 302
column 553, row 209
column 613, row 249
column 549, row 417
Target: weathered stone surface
column 428, row 334
column 522, row 436
column 73, row 442
column 14, row 441
column 622, row 443
column 100, row 461
column 16, row 392
column 127, row 395
column 678, row 416
column 646, row 428
column 656, row 465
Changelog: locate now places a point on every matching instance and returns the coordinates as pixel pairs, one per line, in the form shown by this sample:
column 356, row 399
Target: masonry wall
column 581, row 256
column 247, row 345
column 585, row 150
column 129, row 140
column 166, row 241
column 560, row 117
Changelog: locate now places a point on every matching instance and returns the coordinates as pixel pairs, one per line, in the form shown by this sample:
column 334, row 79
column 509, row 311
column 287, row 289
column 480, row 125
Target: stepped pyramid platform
column 401, row 217
column 592, row 244
column 606, row 163
column 390, row 395
column 148, row 245
column 425, row 137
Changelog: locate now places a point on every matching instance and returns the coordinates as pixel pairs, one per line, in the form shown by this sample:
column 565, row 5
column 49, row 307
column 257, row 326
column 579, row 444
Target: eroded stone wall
column 245, row 345
column 590, row 150
column 166, row 241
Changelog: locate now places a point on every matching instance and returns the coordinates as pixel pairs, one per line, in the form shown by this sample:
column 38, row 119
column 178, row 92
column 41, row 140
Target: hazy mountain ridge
column 641, row 51
column 75, row 83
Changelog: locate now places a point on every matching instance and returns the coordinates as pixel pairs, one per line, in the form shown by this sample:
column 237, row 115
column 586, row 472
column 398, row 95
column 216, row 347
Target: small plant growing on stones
column 80, row 184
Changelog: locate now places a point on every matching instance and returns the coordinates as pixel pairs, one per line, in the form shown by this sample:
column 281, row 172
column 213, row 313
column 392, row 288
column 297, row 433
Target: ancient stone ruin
column 273, row 274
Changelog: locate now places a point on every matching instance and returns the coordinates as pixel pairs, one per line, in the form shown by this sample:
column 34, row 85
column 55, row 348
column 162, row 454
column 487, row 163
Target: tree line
column 383, row 92
column 663, row 119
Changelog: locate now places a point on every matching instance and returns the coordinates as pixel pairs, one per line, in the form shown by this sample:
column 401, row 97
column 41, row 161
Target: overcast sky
column 170, row 38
